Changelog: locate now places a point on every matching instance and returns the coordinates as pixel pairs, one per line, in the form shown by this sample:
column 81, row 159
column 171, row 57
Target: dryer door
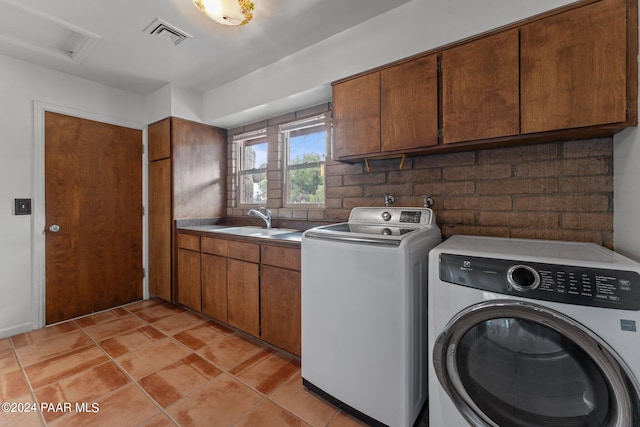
column 511, row 363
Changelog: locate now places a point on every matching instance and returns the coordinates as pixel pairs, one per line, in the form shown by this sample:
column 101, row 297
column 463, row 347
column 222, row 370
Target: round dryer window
column 516, row 364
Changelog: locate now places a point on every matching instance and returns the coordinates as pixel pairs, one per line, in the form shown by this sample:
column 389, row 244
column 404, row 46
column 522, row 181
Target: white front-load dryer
column 532, row 333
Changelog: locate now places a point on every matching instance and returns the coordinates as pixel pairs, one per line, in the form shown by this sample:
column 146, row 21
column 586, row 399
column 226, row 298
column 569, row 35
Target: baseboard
column 15, row 330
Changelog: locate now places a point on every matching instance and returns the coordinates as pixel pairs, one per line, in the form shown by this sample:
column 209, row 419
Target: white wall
column 20, row 85
column 172, row 100
column 626, row 192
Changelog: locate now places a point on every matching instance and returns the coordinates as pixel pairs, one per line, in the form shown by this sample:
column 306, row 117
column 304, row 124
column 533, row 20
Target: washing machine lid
column 383, row 226
column 552, row 251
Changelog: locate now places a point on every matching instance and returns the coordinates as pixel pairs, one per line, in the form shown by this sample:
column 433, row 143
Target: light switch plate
column 22, row 207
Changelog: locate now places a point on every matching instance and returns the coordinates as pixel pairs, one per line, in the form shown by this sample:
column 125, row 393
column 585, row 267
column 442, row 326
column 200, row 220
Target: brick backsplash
column 561, row 190
column 558, row 190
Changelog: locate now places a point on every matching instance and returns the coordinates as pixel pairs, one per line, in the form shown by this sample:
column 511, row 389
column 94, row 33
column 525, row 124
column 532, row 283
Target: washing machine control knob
column 523, row 278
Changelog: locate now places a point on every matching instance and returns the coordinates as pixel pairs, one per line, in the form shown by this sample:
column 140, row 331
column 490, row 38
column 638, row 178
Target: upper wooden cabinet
column 356, row 116
column 392, row 110
column 187, row 180
column 159, row 140
column 574, row 68
column 480, row 89
column 570, row 73
column 409, row 105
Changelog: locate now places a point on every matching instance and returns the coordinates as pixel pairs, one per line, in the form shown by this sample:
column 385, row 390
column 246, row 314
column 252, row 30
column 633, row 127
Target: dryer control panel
column 617, row 289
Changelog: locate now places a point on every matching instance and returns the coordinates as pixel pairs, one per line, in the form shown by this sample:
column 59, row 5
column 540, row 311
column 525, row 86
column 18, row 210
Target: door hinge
column 440, row 133
column 144, row 272
column 142, row 148
column 144, row 211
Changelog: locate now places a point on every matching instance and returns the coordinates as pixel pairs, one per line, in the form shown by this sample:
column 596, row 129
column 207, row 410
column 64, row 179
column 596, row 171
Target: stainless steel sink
column 255, row 231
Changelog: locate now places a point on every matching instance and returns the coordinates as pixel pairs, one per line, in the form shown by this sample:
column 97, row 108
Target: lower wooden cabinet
column 280, row 297
column 280, row 307
column 189, row 279
column 214, row 286
column 254, row 287
column 243, row 287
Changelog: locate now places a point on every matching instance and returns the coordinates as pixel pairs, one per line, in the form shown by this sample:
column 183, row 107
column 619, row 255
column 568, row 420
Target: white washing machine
column 364, row 309
column 532, row 333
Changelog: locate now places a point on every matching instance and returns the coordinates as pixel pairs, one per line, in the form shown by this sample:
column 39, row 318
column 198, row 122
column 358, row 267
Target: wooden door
column 409, row 105
column 573, row 68
column 93, row 193
column 356, row 116
column 481, row 89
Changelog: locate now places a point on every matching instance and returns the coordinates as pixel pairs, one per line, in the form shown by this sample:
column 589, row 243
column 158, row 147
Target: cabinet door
column 409, row 105
column 243, row 309
column 160, row 228
column 280, row 307
column 356, row 116
column 574, row 68
column 189, row 279
column 214, row 286
column 199, row 170
column 159, row 140
column 480, row 89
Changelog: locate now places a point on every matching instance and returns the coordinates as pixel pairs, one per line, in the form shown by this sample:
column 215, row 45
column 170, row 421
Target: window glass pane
column 253, row 188
column 254, row 156
column 306, row 152
column 306, row 185
column 307, row 146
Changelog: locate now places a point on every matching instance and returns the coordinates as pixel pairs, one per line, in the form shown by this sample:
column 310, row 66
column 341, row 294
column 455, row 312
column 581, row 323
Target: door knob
column 54, row 228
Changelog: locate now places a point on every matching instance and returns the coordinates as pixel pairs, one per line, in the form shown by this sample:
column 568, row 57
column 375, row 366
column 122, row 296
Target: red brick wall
column 558, row 190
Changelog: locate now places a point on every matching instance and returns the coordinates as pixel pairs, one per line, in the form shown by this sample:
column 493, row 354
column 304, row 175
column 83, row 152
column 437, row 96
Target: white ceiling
column 127, row 58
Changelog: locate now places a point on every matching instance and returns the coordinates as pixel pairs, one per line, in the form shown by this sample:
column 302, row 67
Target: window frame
column 241, row 141
column 284, row 132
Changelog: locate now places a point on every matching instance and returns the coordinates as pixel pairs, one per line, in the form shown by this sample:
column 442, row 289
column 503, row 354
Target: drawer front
column 189, row 241
column 214, row 246
column 280, row 256
column 244, row 251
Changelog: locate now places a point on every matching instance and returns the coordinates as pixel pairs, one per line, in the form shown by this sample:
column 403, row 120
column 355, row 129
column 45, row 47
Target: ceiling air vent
column 166, row 31
column 30, row 29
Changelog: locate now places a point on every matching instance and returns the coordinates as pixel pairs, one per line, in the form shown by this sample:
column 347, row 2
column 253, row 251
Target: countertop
column 293, row 237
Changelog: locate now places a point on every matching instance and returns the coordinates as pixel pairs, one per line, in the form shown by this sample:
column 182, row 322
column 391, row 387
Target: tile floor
column 151, row 363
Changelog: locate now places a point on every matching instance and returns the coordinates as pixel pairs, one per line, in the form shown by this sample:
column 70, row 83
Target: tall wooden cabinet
column 187, row 181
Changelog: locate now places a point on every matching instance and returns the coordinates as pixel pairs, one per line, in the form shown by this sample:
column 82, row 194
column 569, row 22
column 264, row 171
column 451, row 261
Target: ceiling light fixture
column 227, row 12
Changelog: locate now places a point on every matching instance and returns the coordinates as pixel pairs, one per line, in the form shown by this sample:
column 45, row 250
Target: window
column 305, row 147
column 252, row 167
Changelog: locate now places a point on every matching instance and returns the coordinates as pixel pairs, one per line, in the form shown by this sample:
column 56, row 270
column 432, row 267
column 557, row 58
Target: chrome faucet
column 266, row 218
